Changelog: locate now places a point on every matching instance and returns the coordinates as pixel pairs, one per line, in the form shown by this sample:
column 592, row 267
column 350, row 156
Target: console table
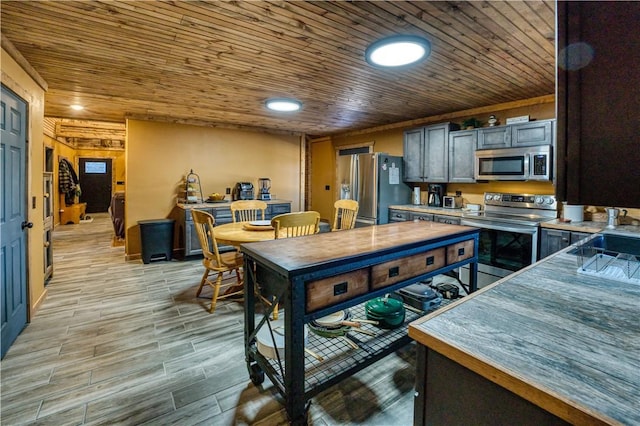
column 313, row 276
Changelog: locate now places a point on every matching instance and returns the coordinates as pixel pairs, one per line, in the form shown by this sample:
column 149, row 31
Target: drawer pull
column 394, row 272
column 461, row 251
column 430, row 260
column 339, row 289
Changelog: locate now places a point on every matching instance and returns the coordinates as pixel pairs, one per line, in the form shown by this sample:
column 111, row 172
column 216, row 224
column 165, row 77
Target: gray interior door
column 13, row 217
column 94, row 175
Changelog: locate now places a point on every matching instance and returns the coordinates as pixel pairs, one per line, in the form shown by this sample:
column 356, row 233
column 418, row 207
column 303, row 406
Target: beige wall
column 16, row 79
column 160, row 155
column 322, row 166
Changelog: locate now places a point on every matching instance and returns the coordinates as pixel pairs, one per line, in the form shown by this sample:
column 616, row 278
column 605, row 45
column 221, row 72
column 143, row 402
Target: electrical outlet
column 327, row 188
column 228, row 191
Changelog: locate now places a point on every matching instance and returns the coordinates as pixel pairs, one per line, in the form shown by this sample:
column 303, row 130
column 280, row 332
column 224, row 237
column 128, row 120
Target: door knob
column 26, row 224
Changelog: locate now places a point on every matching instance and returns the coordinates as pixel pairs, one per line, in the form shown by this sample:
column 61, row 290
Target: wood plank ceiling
column 216, row 62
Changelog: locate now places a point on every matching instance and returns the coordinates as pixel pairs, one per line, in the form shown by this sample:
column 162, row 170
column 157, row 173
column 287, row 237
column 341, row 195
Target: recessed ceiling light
column 398, row 51
column 77, row 107
column 283, row 105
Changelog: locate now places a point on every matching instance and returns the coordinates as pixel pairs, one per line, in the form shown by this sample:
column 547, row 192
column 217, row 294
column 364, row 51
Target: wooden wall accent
column 215, row 63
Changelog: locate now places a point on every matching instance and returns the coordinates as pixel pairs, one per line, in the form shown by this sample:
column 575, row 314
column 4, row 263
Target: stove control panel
column 527, row 201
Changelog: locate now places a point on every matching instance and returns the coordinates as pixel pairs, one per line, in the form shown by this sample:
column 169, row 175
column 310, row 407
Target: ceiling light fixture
column 77, row 107
column 283, row 104
column 398, row 51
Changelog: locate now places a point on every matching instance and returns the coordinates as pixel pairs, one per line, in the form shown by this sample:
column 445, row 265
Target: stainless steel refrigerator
column 375, row 181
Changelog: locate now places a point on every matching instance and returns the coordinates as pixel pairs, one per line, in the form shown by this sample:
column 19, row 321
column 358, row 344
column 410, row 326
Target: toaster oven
column 452, row 202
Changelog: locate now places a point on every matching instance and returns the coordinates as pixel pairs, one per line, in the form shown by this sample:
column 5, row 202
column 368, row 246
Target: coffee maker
column 436, row 192
column 243, row 191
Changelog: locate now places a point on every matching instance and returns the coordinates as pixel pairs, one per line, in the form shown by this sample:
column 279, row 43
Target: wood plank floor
column 119, row 342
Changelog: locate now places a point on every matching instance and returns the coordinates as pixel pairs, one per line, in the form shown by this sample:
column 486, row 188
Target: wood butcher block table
column 314, row 276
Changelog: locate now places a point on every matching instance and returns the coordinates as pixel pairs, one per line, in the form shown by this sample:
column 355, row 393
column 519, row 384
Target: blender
column 265, row 185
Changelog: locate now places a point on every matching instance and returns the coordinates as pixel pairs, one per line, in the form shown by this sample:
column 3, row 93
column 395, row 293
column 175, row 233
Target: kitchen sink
column 611, row 256
column 611, row 244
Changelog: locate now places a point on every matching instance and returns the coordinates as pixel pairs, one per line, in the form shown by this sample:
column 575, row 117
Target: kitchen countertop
column 421, row 208
column 568, row 342
column 585, row 226
column 588, row 226
column 224, row 203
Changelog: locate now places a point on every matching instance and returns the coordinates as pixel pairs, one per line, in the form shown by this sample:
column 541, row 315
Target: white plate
column 332, row 319
column 260, row 223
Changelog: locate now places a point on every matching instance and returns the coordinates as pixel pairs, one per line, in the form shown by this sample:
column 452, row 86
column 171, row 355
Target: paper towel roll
column 416, row 195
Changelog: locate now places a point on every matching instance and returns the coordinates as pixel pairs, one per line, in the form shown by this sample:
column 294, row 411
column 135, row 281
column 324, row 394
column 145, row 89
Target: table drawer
column 459, row 251
column 331, row 290
column 394, row 271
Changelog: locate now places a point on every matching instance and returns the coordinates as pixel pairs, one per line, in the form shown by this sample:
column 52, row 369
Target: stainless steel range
column 509, row 233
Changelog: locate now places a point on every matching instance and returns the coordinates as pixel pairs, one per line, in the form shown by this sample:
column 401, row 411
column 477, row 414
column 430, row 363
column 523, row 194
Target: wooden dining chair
column 346, row 212
column 296, row 224
column 247, row 210
column 215, row 263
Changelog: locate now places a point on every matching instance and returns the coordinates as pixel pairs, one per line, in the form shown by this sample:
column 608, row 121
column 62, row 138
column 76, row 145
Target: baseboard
column 34, row 308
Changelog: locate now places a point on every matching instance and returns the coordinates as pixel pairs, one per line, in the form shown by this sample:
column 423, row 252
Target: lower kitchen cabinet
column 276, row 209
column 428, row 217
column 187, row 237
column 398, row 215
column 451, row 220
column 553, row 240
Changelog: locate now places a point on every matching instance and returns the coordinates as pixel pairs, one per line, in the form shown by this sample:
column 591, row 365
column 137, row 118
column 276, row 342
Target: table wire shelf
column 339, row 356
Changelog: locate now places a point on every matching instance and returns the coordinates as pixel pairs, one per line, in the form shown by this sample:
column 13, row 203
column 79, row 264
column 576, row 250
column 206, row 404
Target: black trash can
column 156, row 238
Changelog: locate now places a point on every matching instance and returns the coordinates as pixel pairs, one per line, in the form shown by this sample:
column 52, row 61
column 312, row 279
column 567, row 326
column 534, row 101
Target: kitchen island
column 546, row 345
column 313, row 276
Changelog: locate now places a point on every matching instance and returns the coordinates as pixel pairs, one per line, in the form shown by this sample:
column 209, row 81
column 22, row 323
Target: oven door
column 503, row 248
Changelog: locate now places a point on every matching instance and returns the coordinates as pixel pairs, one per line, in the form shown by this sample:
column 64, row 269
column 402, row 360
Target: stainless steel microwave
column 527, row 163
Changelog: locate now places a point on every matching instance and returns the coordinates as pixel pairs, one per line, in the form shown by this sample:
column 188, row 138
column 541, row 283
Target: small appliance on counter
column 416, row 195
column 436, row 193
column 265, row 186
column 452, row 202
column 243, row 191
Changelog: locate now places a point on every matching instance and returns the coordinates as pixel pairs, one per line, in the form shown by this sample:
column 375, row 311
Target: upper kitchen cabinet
column 426, row 153
column 462, row 145
column 598, row 102
column 516, row 135
column 494, row 137
column 413, row 155
column 533, row 133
